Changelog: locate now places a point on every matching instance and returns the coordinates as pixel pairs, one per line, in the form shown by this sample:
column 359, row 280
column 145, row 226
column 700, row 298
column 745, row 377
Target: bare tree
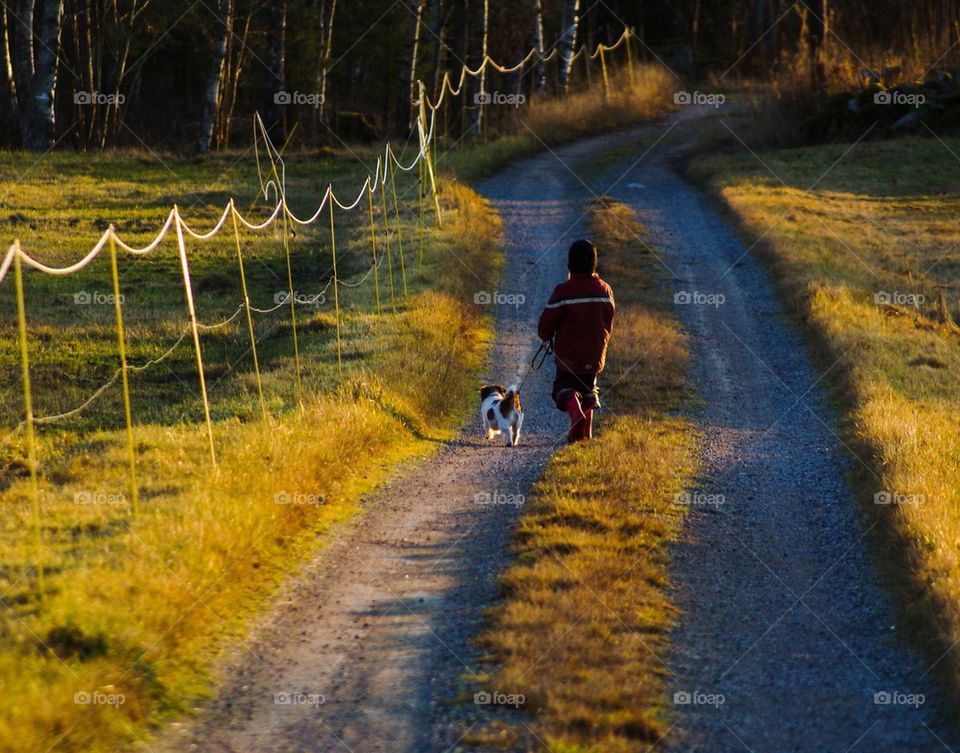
column 568, row 40
column 408, row 84
column 23, row 50
column 211, row 98
column 37, row 119
column 538, row 43
column 759, row 33
column 817, row 30
column 479, row 39
column 8, row 87
column 328, row 10
column 277, row 62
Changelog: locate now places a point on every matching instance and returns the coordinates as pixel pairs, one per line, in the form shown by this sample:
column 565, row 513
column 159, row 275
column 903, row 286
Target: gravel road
column 379, row 623
column 786, row 635
column 782, row 614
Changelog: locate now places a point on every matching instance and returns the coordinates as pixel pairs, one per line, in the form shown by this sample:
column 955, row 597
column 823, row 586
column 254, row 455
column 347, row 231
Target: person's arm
column 609, row 311
column 550, row 318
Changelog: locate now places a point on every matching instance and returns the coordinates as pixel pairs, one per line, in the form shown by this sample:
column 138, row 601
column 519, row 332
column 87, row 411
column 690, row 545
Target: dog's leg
column 516, row 433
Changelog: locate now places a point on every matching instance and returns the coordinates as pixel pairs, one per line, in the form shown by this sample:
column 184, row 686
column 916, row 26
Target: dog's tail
column 512, row 397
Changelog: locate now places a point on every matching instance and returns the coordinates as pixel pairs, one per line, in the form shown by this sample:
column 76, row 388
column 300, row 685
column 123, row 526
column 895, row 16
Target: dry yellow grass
column 864, row 256
column 135, row 611
column 585, row 617
column 552, row 121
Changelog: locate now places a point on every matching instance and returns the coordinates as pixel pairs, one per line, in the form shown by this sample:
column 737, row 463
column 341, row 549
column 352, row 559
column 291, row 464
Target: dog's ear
column 491, row 389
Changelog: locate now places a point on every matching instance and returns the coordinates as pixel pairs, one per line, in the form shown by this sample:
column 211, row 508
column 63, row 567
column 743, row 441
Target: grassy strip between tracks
column 585, row 619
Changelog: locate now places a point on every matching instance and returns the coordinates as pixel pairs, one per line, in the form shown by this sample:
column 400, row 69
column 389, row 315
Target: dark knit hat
column 582, row 257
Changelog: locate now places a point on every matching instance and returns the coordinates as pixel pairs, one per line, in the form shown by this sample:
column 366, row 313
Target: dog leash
column 545, row 349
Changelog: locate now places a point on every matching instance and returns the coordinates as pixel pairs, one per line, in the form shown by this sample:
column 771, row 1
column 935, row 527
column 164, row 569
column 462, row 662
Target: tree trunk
column 23, row 50
column 439, row 15
column 408, row 84
column 211, row 99
column 568, row 40
column 37, row 120
column 817, row 35
column 328, row 12
column 277, row 62
column 759, row 34
column 540, row 73
column 8, row 87
column 478, row 42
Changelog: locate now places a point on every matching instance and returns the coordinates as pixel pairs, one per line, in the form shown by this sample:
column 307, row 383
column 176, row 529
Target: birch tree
column 37, row 118
column 568, row 40
column 408, row 84
column 211, row 98
column 328, row 10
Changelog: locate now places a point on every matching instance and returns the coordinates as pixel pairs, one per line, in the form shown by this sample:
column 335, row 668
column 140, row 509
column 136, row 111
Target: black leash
column 545, row 349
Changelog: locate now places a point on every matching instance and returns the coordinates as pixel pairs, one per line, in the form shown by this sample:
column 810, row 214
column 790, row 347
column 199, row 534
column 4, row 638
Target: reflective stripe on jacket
column 579, row 317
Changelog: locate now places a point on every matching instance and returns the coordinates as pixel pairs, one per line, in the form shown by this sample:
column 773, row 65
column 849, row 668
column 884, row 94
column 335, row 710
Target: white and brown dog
column 501, row 412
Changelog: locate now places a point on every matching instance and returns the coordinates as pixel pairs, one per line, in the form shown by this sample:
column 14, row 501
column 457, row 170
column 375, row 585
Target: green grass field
column 139, row 608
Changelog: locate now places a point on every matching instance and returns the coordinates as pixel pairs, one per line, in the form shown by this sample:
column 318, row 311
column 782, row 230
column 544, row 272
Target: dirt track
column 379, row 624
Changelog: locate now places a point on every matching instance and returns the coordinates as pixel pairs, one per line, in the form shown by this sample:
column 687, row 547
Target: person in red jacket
column 578, row 318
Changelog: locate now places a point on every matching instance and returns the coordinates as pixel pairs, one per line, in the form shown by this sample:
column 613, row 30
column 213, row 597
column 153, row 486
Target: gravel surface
column 783, row 615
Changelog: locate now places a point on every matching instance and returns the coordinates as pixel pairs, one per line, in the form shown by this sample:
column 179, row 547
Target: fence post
column 396, row 210
column 386, row 235
column 422, row 230
column 376, row 272
column 425, row 139
column 188, row 289
column 336, row 294
column 629, row 43
column 246, row 306
column 606, row 79
column 28, row 411
column 122, row 349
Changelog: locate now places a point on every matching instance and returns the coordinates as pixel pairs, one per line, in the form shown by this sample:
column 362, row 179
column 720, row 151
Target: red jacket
column 579, row 317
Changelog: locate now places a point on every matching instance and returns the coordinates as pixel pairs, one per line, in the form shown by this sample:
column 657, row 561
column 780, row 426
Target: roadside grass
column 134, row 611
column 553, row 121
column 585, row 617
column 865, row 256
